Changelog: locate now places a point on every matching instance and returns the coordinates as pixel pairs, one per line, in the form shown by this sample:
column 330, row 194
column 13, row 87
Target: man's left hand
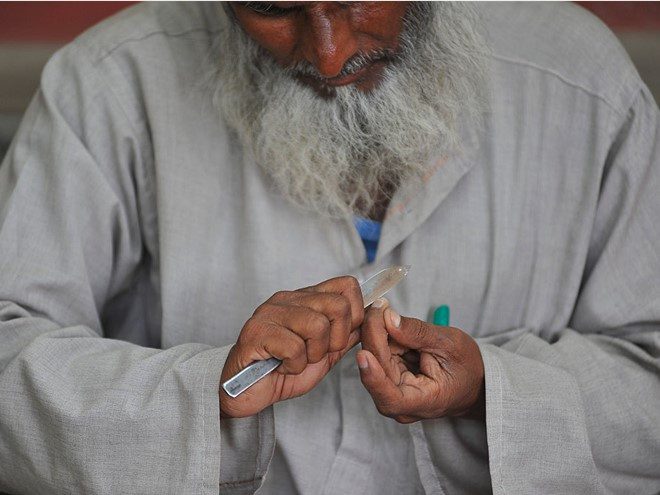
column 414, row 370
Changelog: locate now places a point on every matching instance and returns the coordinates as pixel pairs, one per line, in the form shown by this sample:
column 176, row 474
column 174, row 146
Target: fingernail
column 380, row 302
column 394, row 317
column 363, row 364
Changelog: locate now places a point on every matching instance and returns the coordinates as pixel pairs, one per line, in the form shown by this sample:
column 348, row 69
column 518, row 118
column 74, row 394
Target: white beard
column 338, row 156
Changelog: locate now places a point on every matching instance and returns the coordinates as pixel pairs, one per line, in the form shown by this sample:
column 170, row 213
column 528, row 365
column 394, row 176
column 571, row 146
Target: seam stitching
column 561, row 78
column 109, row 51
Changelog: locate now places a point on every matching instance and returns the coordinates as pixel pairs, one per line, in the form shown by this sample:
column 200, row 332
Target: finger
column 396, row 348
column 271, row 340
column 410, row 357
column 406, row 420
column 312, row 326
column 337, row 309
column 353, row 340
column 348, row 287
column 411, row 332
column 411, row 360
column 386, row 395
column 429, row 366
column 374, row 334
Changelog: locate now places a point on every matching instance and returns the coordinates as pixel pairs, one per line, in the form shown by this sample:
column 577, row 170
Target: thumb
column 411, row 332
column 353, row 339
column 383, row 390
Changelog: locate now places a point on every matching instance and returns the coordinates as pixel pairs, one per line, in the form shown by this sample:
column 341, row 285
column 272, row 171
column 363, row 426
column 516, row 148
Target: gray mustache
column 352, row 65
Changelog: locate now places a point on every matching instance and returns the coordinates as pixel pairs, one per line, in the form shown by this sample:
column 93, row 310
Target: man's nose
column 327, row 39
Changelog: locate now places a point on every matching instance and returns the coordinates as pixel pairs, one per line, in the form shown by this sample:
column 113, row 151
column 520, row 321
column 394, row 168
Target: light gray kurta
column 136, row 239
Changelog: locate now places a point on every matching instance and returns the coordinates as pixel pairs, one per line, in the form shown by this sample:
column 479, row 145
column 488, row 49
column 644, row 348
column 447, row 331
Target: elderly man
column 184, row 168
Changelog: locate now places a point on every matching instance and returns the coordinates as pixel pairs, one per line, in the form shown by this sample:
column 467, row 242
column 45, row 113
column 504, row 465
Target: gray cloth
column 137, row 237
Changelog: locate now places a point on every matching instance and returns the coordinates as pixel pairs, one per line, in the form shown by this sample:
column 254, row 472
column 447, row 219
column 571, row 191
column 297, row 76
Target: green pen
column 441, row 316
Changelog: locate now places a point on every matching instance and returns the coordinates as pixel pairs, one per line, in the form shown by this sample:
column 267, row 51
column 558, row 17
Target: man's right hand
column 309, row 329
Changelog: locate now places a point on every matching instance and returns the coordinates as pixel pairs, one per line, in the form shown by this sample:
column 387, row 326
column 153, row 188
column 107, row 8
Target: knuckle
column 243, row 339
column 355, row 294
column 338, row 312
column 279, row 296
column 462, row 339
column 336, row 304
column 295, row 358
column 314, row 355
column 260, row 309
column 267, row 307
column 418, row 330
column 386, row 409
column 317, row 349
column 318, row 324
column 343, row 306
column 243, row 343
column 352, row 283
column 297, row 348
column 415, row 326
column 251, row 327
column 295, row 367
column 299, row 368
column 339, row 342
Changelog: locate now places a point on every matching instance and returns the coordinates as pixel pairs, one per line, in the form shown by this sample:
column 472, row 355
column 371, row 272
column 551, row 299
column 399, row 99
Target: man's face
column 327, row 44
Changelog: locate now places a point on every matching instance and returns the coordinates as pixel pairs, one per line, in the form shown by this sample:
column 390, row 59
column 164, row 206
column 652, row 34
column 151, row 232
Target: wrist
column 475, row 406
column 223, row 414
column 478, row 409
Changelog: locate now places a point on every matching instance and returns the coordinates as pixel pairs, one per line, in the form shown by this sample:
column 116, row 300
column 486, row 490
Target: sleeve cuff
column 534, row 414
column 238, row 450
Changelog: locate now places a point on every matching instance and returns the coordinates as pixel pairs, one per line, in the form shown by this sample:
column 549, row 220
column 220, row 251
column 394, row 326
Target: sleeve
column 580, row 412
column 80, row 413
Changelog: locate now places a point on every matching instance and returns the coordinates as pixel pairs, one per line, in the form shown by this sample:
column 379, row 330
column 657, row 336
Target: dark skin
column 325, row 34
column 413, row 370
column 309, row 329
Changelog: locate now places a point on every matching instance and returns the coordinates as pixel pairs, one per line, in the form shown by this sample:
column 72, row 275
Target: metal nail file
column 373, row 288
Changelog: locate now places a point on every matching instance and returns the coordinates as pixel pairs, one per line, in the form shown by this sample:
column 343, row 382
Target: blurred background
column 31, row 32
